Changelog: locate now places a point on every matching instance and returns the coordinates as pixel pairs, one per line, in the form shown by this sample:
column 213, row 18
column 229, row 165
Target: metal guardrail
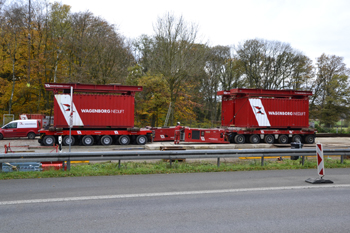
column 168, row 155
column 327, row 135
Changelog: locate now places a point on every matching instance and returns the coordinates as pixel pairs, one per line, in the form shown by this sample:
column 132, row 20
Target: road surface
column 252, row 201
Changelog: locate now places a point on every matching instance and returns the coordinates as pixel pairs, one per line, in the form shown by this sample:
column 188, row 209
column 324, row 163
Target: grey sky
column 310, row 26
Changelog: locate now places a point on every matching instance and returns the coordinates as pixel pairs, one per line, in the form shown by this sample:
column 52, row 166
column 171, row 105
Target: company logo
column 66, row 107
column 258, row 110
column 115, row 111
column 27, row 123
column 95, row 111
column 277, row 113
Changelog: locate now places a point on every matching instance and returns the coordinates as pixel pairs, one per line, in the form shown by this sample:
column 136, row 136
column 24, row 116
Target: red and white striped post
column 320, row 161
column 320, row 167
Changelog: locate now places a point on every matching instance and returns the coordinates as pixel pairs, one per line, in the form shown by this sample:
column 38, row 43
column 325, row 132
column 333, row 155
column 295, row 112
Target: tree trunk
column 13, row 82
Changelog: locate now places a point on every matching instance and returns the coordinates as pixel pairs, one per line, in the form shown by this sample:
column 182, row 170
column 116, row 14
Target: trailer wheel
column 141, row 140
column 296, row 138
column 124, row 140
column 49, row 140
column 254, row 139
column 106, row 140
column 283, row 139
column 269, row 139
column 87, row 140
column 31, row 135
column 239, row 139
column 310, row 139
column 66, row 140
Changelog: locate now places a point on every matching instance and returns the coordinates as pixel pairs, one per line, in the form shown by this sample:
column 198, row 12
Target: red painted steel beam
column 241, row 92
column 77, row 87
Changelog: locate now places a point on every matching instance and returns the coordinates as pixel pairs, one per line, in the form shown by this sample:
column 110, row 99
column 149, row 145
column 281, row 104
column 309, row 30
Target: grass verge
column 138, row 168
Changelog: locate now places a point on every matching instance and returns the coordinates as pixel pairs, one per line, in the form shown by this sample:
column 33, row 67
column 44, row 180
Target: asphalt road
column 254, row 201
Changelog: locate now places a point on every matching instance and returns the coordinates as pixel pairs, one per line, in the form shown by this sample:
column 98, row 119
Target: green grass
column 139, row 168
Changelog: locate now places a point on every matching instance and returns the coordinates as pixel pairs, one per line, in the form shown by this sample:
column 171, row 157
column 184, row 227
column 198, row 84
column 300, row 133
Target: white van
column 20, row 128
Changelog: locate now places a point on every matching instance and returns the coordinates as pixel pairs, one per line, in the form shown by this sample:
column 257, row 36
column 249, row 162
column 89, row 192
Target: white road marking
column 102, row 197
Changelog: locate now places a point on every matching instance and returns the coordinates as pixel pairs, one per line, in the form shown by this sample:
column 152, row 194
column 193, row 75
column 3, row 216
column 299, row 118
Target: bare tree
column 268, row 64
column 302, row 73
column 173, row 53
column 215, row 71
column 112, row 55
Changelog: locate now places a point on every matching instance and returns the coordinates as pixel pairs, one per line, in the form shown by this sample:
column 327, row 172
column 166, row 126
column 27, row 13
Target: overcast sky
column 310, row 26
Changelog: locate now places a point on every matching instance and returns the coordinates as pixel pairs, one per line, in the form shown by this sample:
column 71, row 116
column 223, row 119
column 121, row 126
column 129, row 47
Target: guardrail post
column 342, row 159
column 262, row 160
column 302, row 160
column 68, row 164
column 218, row 162
column 119, row 164
column 170, row 161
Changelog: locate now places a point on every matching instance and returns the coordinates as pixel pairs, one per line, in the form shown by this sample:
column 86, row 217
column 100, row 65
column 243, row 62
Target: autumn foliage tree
column 52, row 44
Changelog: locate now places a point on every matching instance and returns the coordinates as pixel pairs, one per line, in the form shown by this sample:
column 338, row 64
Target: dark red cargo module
column 161, row 134
column 95, row 111
column 205, row 135
column 257, row 108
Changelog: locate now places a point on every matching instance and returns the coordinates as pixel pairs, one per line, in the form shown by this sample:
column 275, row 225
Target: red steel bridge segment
column 242, row 92
column 78, row 87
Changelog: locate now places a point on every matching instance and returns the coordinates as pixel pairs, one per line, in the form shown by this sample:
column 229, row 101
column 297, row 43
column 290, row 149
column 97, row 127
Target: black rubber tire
column 141, row 140
column 255, row 139
column 310, row 139
column 283, row 139
column 106, row 140
column 1, row 136
column 240, row 139
column 87, row 140
column 31, row 135
column 65, row 140
column 124, row 140
column 297, row 138
column 269, row 139
column 49, row 140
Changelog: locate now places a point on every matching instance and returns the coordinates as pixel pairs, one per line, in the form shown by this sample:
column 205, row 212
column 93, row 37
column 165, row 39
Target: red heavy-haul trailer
column 256, row 115
column 96, row 118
